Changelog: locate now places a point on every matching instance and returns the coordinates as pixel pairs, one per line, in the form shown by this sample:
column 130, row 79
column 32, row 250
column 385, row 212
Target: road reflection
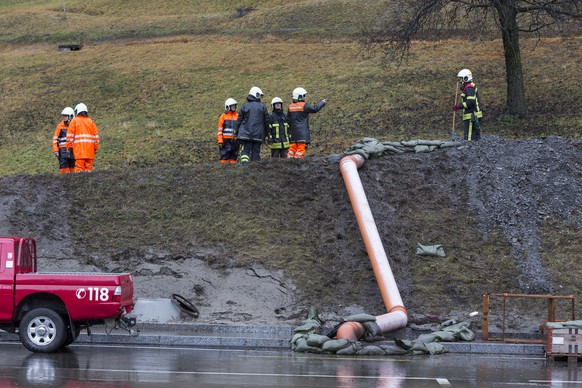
column 110, row 366
column 389, row 375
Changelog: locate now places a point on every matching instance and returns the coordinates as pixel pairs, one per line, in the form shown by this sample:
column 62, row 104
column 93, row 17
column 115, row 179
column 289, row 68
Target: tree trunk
column 516, row 104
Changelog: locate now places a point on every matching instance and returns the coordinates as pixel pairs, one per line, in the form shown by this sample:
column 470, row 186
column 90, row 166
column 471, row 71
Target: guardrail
column 551, row 314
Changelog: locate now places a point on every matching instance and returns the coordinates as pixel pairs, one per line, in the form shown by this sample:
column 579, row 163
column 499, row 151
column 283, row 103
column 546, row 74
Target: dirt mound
column 262, row 244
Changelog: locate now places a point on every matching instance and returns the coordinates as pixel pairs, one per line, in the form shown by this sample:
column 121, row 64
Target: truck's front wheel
column 42, row 330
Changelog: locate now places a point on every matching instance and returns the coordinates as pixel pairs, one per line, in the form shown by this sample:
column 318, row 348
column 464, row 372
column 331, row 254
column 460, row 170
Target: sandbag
column 370, row 350
column 462, row 330
column 421, row 149
column 308, row 326
column 393, row 350
column 430, row 348
column 565, row 325
column 451, row 331
column 363, row 317
column 316, row 339
column 302, row 346
column 409, row 143
column 373, row 332
column 333, row 346
column 430, row 250
column 395, row 144
column 448, row 144
column 350, row 350
column 369, row 147
column 431, row 143
column 419, row 347
column 294, row 340
column 394, row 147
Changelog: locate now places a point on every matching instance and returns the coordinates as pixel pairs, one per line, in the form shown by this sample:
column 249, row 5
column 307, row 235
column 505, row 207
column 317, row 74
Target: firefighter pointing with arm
column 298, row 113
column 65, row 156
column 470, row 104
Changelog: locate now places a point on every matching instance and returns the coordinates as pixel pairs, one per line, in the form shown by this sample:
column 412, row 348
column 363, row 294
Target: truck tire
column 42, row 330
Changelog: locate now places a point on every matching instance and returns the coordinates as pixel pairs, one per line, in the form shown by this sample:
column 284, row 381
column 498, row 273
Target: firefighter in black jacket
column 252, row 126
column 278, row 130
column 298, row 113
column 470, row 104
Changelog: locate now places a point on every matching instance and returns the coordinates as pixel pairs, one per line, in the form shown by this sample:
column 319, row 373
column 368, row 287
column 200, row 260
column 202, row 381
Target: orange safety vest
column 60, row 136
column 83, row 137
column 226, row 124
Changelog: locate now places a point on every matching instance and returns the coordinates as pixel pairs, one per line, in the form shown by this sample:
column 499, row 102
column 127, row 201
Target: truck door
column 7, row 260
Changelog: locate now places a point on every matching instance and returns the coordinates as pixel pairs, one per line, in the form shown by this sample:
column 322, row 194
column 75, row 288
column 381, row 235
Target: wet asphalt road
column 114, row 366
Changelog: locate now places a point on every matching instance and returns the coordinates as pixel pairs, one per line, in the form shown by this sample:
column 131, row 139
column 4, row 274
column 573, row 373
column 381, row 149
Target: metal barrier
column 551, row 314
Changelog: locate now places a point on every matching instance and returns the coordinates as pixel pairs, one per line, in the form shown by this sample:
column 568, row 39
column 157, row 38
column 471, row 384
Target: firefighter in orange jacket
column 227, row 142
column 83, row 138
column 298, row 114
column 60, row 150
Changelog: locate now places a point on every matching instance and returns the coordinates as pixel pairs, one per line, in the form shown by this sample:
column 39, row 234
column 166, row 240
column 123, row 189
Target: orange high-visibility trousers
column 297, row 150
column 83, row 165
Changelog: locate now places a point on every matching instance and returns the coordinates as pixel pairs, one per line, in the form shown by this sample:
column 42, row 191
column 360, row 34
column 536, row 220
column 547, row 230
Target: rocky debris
column 517, row 185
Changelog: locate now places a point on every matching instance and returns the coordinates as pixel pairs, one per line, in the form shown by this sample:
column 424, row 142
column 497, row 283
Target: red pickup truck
column 48, row 310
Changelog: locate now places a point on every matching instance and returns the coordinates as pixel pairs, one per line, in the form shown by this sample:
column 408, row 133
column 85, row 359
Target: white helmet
column 229, row 102
column 80, row 108
column 256, row 92
column 299, row 94
column 465, row 75
column 275, row 101
column 69, row 112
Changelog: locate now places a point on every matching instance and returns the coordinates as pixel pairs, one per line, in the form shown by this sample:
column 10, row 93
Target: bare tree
column 435, row 19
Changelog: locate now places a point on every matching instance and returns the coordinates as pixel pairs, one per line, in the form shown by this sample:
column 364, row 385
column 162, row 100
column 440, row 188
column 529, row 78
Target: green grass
column 158, row 101
column 155, row 76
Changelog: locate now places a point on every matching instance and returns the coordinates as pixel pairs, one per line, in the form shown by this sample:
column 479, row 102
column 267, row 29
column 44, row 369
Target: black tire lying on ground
column 185, row 305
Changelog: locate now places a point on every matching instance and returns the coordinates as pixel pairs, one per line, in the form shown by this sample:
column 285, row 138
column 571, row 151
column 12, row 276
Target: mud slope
column 260, row 245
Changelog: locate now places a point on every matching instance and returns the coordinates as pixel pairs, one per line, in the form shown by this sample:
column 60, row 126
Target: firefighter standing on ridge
column 83, row 138
column 252, row 126
column 298, row 113
column 470, row 104
column 278, row 130
column 60, row 150
column 227, row 142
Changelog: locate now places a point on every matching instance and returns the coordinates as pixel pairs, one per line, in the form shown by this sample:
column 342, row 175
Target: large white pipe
column 397, row 316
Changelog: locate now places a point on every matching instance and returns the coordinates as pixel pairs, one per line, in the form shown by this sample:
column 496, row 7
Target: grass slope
column 155, row 76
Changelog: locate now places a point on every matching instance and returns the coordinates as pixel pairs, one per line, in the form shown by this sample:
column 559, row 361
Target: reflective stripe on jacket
column 298, row 113
column 279, row 129
column 253, row 121
column 470, row 101
column 83, row 137
column 226, row 124
column 60, row 136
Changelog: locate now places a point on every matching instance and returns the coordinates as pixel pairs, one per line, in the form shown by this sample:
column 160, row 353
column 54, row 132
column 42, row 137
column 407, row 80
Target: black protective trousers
column 250, row 151
column 229, row 150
